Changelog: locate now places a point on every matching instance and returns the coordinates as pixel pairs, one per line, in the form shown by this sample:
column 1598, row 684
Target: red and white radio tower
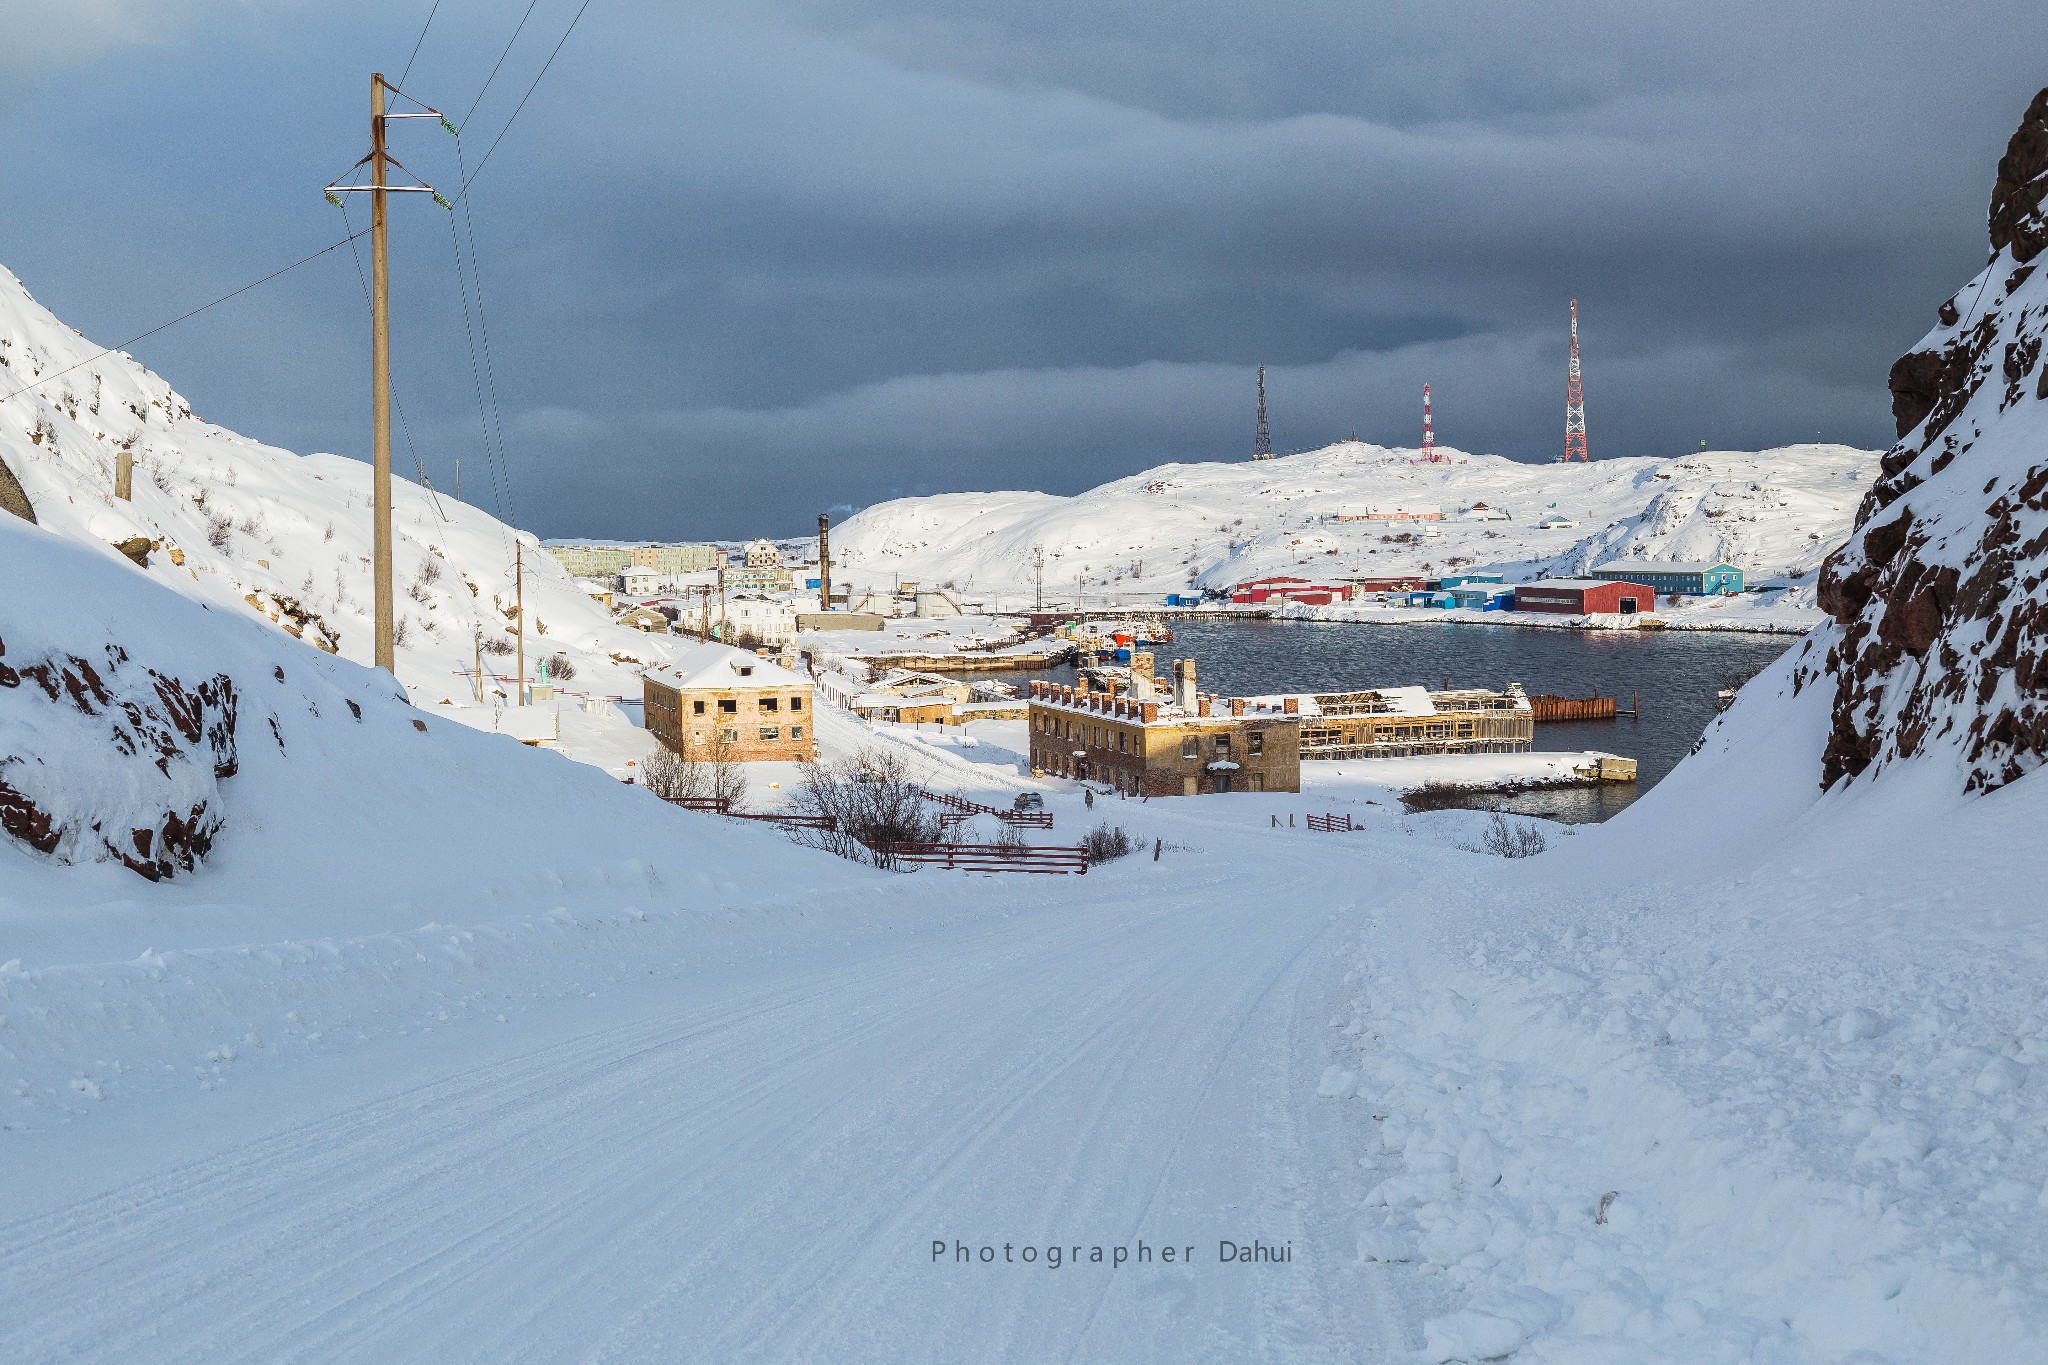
column 1574, row 401
column 1429, row 455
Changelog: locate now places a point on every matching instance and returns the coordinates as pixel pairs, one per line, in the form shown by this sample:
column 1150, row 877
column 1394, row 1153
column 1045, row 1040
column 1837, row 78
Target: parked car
column 1028, row 801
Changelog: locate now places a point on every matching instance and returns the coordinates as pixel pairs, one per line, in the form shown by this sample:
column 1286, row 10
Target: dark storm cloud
column 746, row 261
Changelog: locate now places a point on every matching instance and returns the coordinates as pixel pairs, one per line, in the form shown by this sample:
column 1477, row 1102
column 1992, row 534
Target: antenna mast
column 1574, row 401
column 1262, row 443
column 1429, row 455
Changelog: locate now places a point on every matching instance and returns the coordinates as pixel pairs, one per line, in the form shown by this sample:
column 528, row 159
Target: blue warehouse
column 1672, row 578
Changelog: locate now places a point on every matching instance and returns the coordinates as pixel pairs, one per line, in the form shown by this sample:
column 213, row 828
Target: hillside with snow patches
column 254, row 529
column 1778, row 513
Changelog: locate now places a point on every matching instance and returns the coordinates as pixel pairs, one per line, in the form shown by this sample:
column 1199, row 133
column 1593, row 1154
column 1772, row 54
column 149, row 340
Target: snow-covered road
column 757, row 1166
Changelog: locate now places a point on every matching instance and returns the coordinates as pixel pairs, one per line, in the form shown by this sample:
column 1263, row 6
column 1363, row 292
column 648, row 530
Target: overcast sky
column 743, row 262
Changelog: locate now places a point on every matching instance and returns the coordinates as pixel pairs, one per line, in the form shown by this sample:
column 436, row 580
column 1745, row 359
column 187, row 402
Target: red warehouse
column 1579, row 596
column 1260, row 592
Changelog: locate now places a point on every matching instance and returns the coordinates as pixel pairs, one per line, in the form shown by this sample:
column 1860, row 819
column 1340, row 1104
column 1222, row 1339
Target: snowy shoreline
column 1790, row 621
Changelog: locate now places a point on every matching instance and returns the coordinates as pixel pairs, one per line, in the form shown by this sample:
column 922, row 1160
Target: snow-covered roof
column 1663, row 566
column 723, row 668
column 1572, row 583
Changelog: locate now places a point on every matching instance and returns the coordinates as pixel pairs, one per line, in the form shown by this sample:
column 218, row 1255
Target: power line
column 404, row 424
column 516, row 31
column 525, row 97
column 142, row 336
column 417, row 41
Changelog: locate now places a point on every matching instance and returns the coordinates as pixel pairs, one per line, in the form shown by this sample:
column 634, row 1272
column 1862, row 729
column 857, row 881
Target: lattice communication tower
column 1574, row 400
column 1262, row 442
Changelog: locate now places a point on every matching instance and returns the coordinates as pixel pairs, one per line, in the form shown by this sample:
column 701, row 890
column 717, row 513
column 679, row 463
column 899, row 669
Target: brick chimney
column 1184, row 684
column 1237, row 706
column 1150, row 710
column 1292, row 706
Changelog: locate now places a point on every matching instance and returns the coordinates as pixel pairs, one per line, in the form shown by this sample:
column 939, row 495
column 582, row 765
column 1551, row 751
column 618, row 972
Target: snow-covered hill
column 1778, row 513
column 256, row 529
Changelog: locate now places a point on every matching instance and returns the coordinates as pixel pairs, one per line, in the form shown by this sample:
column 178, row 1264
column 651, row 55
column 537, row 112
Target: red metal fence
column 1022, row 819
column 993, row 857
column 719, row 805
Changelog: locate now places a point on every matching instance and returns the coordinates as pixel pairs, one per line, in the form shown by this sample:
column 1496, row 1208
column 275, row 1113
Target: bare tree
column 872, row 804
column 708, row 764
column 664, row 773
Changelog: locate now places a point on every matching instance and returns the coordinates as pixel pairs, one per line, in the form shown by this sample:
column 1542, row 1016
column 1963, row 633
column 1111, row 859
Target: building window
column 728, row 706
column 771, row 732
column 1189, row 747
column 796, row 732
column 729, row 734
column 770, row 704
column 1255, row 745
column 696, row 708
column 1120, row 739
column 796, row 703
column 1223, row 746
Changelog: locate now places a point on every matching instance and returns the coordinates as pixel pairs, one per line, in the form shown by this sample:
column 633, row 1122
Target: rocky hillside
column 1939, row 640
column 259, row 530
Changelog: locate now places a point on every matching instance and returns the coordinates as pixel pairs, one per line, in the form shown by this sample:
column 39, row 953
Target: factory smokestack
column 824, row 562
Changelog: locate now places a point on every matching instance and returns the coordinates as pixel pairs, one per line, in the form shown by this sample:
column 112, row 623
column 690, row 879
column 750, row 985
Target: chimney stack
column 824, row 562
column 1184, row 684
column 1141, row 675
column 1292, row 706
column 1237, row 706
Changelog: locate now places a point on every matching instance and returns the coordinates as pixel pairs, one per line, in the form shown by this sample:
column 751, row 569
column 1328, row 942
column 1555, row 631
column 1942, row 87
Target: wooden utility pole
column 478, row 675
column 124, row 476
column 383, row 610
column 380, row 385
column 519, row 610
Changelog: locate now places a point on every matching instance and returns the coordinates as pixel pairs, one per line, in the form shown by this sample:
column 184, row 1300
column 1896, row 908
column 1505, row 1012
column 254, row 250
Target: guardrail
column 1051, row 858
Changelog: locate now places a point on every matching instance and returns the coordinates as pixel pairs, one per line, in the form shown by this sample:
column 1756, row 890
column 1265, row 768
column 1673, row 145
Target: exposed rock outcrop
column 1940, row 599
column 12, row 499
column 114, row 761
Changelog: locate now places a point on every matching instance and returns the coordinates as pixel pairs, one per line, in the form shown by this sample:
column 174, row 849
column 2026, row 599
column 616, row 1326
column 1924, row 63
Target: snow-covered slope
column 275, row 785
column 1940, row 602
column 1777, row 513
column 263, row 531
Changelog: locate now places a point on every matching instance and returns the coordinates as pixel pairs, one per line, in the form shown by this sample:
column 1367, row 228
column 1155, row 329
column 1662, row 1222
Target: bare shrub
column 872, row 803
column 401, row 631
column 714, row 755
column 1513, row 839
column 1106, row 843
column 560, row 668
column 664, row 773
column 220, row 529
column 1437, row 796
column 421, row 587
column 497, row 646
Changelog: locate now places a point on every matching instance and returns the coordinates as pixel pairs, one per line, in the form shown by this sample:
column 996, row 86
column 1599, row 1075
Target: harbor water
column 1678, row 674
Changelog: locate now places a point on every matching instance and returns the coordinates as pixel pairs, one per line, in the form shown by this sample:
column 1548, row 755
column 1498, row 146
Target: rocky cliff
column 1939, row 639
